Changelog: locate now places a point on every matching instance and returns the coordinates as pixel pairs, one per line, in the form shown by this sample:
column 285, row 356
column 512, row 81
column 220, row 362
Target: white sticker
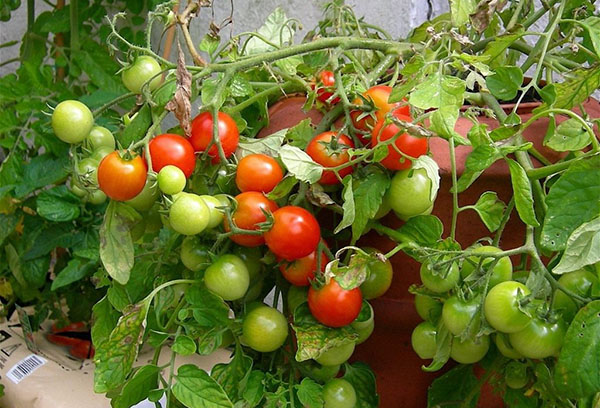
column 25, row 367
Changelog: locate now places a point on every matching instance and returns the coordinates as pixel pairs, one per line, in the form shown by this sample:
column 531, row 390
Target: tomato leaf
column 362, row 379
column 455, row 385
column 443, row 121
column 576, row 374
column 423, row 230
column 231, row 375
column 490, row 210
column 196, row 389
column 275, row 30
column 115, row 357
column 208, row 309
column 348, row 206
column 310, row 393
column 495, row 50
column 300, row 164
column 269, row 145
column 569, row 135
column 255, row 389
column 438, row 91
column 443, row 347
column 460, row 10
column 105, row 319
column 583, row 248
column 137, row 128
column 42, row 171
column 301, row 134
column 184, row 345
column 58, row 204
column 75, row 270
column 433, row 173
column 522, row 193
column 138, row 387
column 592, row 24
column 313, row 338
column 577, row 190
column 116, row 245
column 368, row 197
column 505, row 82
column 8, row 222
column 578, row 85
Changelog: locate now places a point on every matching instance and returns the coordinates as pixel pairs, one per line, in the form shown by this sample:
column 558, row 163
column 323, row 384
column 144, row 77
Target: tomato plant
column 334, row 306
column 144, row 71
column 301, row 271
column 265, row 329
column 169, row 149
column 122, row 175
column 202, row 134
column 72, row 121
column 295, row 233
column 326, row 87
column 258, row 172
column 250, row 211
column 330, row 150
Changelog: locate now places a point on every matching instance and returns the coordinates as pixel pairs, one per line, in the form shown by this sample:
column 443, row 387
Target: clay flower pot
column 388, row 351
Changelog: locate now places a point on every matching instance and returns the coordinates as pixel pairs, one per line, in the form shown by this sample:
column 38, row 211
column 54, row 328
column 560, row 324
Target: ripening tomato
column 122, row 175
column 336, row 355
column 379, row 276
column 409, row 145
column 442, row 282
column 334, row 306
column 189, row 214
column 301, row 271
column 427, row 307
column 330, row 150
column 202, row 134
column 324, row 93
column 171, row 180
column 579, row 282
column 410, row 193
column 146, row 198
column 228, row 277
column 258, row 172
column 100, row 137
column 169, row 149
column 458, row 314
column 295, row 233
column 249, row 212
column 379, row 95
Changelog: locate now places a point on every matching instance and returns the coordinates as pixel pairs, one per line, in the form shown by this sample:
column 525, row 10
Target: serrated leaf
column 105, row 319
column 522, row 193
column 275, row 30
column 58, row 204
column 310, row 393
column 592, row 24
column 75, row 270
column 362, row 379
column 116, row 245
column 283, row 188
column 423, row 230
column 138, row 387
column 231, row 375
column 454, row 385
column 196, row 389
column 368, row 197
column 184, row 345
column 582, row 248
column 460, row 11
column 490, row 210
column 301, row 134
column 269, row 145
column 505, row 82
column 300, row 164
column 443, row 341
column 254, row 391
column 438, row 91
column 42, row 171
column 348, row 206
column 138, row 127
column 569, row 135
column 577, row 86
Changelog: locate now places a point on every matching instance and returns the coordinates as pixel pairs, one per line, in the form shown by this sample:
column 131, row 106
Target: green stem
column 515, row 16
column 536, row 174
column 103, row 108
column 455, row 208
column 504, row 221
column 273, row 90
column 74, row 14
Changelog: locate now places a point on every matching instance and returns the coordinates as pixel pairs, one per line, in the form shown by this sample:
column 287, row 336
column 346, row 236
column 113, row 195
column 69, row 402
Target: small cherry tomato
column 333, row 306
column 143, row 69
column 171, row 180
column 336, row 355
column 515, row 375
column 194, row 255
column 122, row 175
column 189, row 214
column 330, row 150
column 469, row 351
column 443, row 282
column 579, row 282
column 228, row 277
column 295, row 233
column 146, row 198
column 202, row 134
column 258, row 172
column 339, row 393
column 249, row 213
column 265, row 329
column 540, row 338
column 502, row 270
column 216, row 215
column 301, row 271
column 379, row 276
column 378, row 95
column 326, row 91
column 458, row 314
column 364, row 324
column 410, row 193
column 502, row 309
column 169, row 149
column 100, row 137
column 428, row 308
column 72, row 121
column 423, row 340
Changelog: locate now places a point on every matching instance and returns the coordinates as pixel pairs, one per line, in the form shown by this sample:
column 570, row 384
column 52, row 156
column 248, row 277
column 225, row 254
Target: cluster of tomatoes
column 525, row 327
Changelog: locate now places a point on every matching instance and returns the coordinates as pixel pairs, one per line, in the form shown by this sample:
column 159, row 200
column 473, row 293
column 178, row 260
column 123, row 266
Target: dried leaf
column 180, row 105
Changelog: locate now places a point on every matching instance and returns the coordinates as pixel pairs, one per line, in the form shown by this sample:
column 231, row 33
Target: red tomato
column 258, row 172
column 301, row 271
column 122, row 175
column 319, row 150
column 202, row 130
column 407, row 144
column 327, row 79
column 170, row 149
column 249, row 212
column 334, row 306
column 379, row 94
column 295, row 233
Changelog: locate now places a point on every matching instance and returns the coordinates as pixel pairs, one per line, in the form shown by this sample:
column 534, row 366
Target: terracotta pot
column 400, row 380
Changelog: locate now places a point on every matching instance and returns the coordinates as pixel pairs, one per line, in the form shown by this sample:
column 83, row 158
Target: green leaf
column 505, row 82
column 196, row 389
column 443, row 121
column 231, row 375
column 283, row 188
column 301, row 134
column 116, row 246
column 368, row 197
column 184, row 345
column 56, row 235
column 300, row 164
column 490, row 209
column 42, row 171
column 497, row 48
column 576, row 374
column 570, row 135
column 460, row 10
column 577, row 86
column 592, row 24
column 255, row 389
column 75, row 270
column 209, row 44
column 58, row 204
column 437, row 91
column 8, row 222
column 105, row 319
column 423, row 230
column 362, row 379
column 35, row 272
column 275, row 30
column 209, row 89
column 269, row 145
column 443, row 344
column 208, row 309
column 240, row 87
column 433, row 173
column 310, row 393
column 138, row 127
column 138, row 387
column 455, row 385
column 14, row 264
column 313, row 338
column 522, row 193
column 97, row 74
column 348, row 206
column 573, row 199
column 115, row 357
column 582, row 249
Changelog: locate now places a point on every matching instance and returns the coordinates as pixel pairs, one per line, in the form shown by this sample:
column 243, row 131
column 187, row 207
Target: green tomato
column 227, row 277
column 428, row 308
column 194, row 255
column 440, row 283
column 189, row 215
column 458, row 314
column 142, row 70
column 423, row 340
column 88, row 170
column 265, row 329
column 336, row 355
column 101, row 137
column 72, row 121
column 77, row 189
column 96, row 197
column 515, row 375
column 255, row 289
column 505, row 348
column 379, row 276
column 296, row 296
column 410, row 192
column 100, row 153
column 252, row 258
column 385, row 207
column 216, row 215
column 146, row 198
column 579, row 282
column 321, row 373
column 339, row 393
column 502, row 271
column 501, row 307
column 539, row 339
column 469, row 351
column 364, row 323
column 171, row 180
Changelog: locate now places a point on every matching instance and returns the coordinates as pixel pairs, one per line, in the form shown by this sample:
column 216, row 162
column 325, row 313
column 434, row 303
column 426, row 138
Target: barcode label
column 25, row 367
